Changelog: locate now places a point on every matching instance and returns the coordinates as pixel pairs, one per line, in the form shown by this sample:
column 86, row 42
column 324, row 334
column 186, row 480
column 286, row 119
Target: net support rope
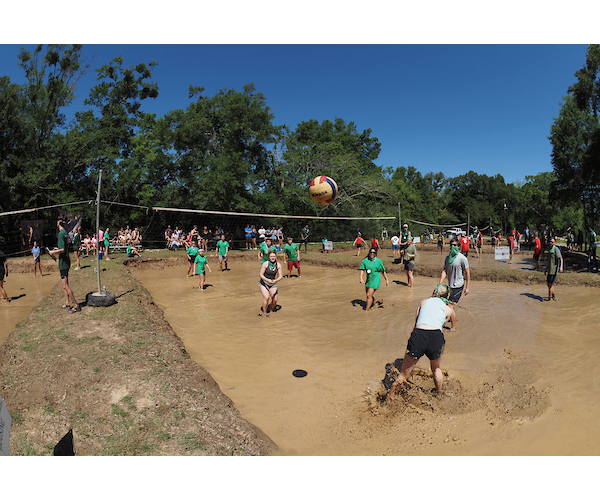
column 189, row 210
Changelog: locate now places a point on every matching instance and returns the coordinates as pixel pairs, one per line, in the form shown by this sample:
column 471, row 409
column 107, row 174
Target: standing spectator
column 373, row 266
column 304, row 233
column 395, row 246
column 106, row 242
column 479, row 245
column 511, row 246
column 537, row 250
column 409, row 261
column 592, row 251
column 384, row 235
column 248, row 233
column 222, row 252
column 440, row 243
column 464, row 245
column 3, row 274
column 254, row 245
column 262, row 232
column 100, row 242
column 205, row 236
column 580, row 240
column 456, row 267
column 76, row 247
column 553, row 267
column 36, row 258
column 64, row 263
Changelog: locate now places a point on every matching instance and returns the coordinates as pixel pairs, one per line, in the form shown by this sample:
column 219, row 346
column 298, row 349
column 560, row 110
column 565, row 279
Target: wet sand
column 522, row 373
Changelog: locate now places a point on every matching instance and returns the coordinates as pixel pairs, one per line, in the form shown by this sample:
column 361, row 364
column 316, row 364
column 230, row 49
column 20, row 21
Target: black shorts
column 428, row 342
column 551, row 278
column 64, row 273
column 101, row 244
column 455, row 294
column 2, row 274
column 409, row 266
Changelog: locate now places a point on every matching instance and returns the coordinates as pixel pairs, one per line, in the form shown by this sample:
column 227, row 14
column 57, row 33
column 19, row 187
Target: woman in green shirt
column 373, row 266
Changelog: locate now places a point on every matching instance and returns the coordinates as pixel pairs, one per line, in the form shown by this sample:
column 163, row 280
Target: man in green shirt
column 372, row 266
column 554, row 266
column 292, row 255
column 410, row 253
column 64, row 263
column 222, row 252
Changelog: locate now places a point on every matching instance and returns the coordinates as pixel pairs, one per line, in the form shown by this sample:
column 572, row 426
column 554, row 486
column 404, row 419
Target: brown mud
column 123, row 380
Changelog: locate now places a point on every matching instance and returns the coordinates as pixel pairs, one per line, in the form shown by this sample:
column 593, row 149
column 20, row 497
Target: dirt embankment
column 118, row 377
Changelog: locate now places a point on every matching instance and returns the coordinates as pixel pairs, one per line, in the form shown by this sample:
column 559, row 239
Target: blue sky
column 437, row 107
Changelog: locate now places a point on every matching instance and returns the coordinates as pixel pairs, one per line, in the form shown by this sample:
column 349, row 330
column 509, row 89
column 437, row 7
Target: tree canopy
column 225, row 152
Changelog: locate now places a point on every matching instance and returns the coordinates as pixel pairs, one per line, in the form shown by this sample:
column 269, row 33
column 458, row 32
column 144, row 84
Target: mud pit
column 514, row 383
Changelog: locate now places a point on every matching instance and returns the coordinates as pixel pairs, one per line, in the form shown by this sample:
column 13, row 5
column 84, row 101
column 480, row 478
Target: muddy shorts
column 409, row 266
column 428, row 342
column 64, row 273
column 222, row 257
column 293, row 263
column 551, row 279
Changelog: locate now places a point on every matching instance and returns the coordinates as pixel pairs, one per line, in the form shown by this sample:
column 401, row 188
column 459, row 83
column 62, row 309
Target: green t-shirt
column 592, row 239
column 265, row 251
column 290, row 251
column 106, row 239
column 192, row 252
column 64, row 261
column 200, row 261
column 412, row 250
column 373, row 268
column 305, row 232
column 129, row 251
column 76, row 241
column 554, row 257
column 222, row 246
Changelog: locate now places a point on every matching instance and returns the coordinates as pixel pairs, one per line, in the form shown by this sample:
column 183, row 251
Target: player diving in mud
column 427, row 338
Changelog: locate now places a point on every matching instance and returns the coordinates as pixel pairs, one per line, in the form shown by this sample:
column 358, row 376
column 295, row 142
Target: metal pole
column 399, row 219
column 98, row 231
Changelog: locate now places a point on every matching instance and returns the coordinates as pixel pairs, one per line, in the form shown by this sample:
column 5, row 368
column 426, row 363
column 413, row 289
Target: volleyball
column 323, row 190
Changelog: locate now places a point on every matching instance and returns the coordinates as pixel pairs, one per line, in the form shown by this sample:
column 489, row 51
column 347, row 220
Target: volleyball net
column 18, row 228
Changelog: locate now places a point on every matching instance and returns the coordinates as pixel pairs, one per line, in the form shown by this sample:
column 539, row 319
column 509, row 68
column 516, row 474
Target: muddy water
column 523, row 373
column 25, row 291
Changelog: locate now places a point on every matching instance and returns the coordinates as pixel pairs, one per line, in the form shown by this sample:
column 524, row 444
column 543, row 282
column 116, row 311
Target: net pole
column 98, row 231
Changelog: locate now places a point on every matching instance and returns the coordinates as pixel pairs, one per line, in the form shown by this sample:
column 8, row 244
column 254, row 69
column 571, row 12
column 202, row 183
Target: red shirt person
column 464, row 245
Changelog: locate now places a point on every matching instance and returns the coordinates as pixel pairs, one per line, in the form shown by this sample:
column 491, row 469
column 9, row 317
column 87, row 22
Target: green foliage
column 224, row 153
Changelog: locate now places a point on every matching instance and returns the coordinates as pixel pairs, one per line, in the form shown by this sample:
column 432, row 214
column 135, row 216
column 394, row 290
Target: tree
column 220, row 149
column 575, row 138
